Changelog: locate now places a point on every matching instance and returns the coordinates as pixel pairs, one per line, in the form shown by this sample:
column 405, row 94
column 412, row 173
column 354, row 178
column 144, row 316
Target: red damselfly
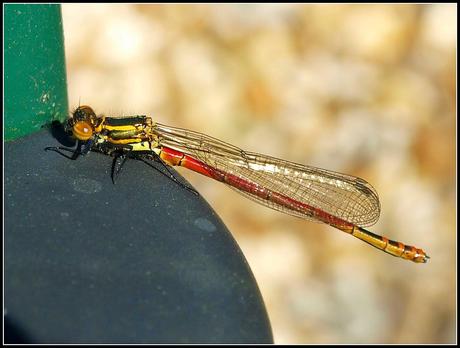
column 345, row 202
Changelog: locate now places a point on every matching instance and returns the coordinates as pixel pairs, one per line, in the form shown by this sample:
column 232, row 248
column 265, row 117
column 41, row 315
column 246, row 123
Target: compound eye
column 82, row 130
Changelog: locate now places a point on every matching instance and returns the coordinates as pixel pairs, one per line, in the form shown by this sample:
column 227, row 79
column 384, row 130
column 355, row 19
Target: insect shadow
column 58, row 131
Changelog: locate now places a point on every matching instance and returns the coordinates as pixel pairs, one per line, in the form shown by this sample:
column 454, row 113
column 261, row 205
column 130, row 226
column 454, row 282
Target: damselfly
column 343, row 201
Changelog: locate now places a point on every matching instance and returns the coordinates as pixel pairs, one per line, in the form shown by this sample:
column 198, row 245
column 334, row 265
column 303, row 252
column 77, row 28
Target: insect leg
column 170, row 174
column 120, row 153
column 118, row 163
column 82, row 149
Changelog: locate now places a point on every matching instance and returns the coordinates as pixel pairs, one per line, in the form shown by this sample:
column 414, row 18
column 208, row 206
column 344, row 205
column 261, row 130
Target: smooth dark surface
column 142, row 261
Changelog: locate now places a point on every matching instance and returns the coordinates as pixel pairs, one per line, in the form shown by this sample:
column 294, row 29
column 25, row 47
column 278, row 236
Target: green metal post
column 35, row 75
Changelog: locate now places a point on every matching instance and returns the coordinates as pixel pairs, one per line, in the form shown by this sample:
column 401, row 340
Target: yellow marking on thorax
column 123, row 127
column 125, row 141
column 144, row 146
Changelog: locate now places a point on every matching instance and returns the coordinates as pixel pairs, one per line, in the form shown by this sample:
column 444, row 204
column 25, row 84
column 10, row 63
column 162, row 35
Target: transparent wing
column 344, row 196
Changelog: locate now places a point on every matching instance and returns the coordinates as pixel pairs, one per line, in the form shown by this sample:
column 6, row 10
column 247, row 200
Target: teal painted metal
column 35, row 76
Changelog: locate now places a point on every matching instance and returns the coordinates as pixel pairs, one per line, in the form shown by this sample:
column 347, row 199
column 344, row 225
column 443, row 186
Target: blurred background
column 367, row 90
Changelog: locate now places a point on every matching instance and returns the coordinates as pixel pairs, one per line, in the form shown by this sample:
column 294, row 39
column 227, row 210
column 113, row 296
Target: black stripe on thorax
column 125, row 121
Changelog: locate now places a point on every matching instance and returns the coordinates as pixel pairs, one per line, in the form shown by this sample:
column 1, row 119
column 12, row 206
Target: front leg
column 83, row 147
